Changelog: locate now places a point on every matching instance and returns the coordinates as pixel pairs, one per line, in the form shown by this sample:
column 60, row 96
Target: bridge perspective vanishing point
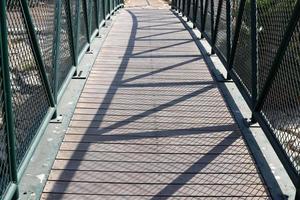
column 154, row 115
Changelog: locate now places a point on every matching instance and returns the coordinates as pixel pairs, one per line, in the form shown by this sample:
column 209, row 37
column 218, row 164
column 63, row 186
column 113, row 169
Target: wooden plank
column 154, row 189
column 143, row 178
column 53, row 196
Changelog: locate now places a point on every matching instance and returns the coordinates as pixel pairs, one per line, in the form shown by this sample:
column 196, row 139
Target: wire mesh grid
column 282, row 106
column 5, row 177
column 30, row 103
column 82, row 38
column 191, row 9
column 242, row 59
column 221, row 39
column 65, row 56
column 42, row 12
column 207, row 23
column 101, row 9
column 199, row 15
column 94, row 16
column 273, row 17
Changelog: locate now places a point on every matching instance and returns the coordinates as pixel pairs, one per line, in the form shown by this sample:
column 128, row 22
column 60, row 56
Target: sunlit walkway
column 151, row 122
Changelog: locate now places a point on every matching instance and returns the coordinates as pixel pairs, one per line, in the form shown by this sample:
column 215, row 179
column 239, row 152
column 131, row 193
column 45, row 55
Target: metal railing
column 258, row 42
column 42, row 42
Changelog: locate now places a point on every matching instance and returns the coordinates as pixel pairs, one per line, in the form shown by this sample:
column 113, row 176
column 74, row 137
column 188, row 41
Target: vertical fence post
column 8, row 96
column 201, row 18
column 56, row 48
column 254, row 59
column 77, row 29
column 188, row 9
column 204, row 16
column 212, row 21
column 97, row 4
column 71, row 31
column 216, row 30
column 229, row 34
column 87, row 18
column 195, row 12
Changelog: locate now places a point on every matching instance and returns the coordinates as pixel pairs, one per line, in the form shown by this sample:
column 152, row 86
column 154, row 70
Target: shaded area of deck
column 151, row 122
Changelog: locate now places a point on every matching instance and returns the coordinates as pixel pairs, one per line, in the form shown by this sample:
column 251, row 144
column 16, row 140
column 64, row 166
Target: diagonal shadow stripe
column 158, row 108
column 159, row 34
column 164, row 47
column 161, row 70
column 188, row 174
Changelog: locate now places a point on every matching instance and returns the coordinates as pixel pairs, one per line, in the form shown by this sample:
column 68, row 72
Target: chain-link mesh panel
column 242, row 59
column 42, row 12
column 199, row 16
column 185, row 10
column 191, row 9
column 282, row 106
column 208, row 25
column 221, row 39
column 107, row 7
column 30, row 103
column 73, row 5
column 65, row 56
column 101, row 10
column 94, row 16
column 82, row 40
column 273, row 17
column 5, row 177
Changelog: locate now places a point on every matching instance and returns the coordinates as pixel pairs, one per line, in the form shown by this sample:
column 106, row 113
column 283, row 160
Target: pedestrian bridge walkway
column 151, row 122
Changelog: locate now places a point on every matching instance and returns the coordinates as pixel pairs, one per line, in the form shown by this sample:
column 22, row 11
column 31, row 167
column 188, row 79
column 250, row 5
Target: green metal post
column 77, row 28
column 8, row 96
column 37, row 51
column 56, row 50
column 215, row 33
column 97, row 4
column 71, row 32
column 204, row 15
column 87, row 17
column 195, row 12
column 212, row 21
column 188, row 9
column 254, row 55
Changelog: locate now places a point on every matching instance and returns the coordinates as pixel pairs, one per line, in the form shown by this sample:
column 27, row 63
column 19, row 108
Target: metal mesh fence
column 199, row 15
column 273, row 17
column 221, row 39
column 242, row 59
column 65, row 56
column 282, row 106
column 94, row 16
column 101, row 9
column 30, row 103
column 208, row 25
column 5, row 177
column 82, row 38
column 42, row 12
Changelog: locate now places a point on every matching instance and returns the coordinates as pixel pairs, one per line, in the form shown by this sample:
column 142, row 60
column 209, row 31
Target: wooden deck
column 151, row 122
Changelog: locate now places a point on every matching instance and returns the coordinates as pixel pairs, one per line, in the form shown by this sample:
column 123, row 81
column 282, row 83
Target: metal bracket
column 90, row 52
column 79, row 76
column 57, row 120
